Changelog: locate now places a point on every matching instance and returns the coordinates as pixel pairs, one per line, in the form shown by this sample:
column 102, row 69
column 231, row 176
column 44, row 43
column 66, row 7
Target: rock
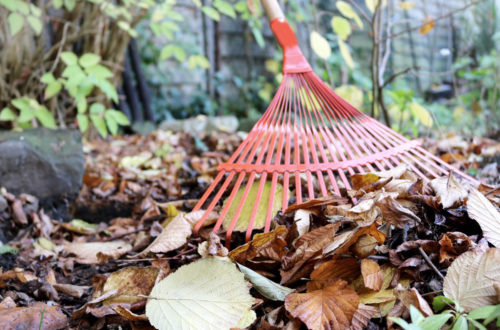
column 3, row 204
column 45, row 163
column 202, row 124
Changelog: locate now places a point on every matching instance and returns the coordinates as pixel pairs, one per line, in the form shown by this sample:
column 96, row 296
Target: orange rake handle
column 293, row 59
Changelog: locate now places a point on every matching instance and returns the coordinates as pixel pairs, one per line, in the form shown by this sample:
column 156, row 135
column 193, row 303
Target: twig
column 62, row 43
column 397, row 74
column 428, row 260
column 112, row 238
column 431, row 293
column 362, row 12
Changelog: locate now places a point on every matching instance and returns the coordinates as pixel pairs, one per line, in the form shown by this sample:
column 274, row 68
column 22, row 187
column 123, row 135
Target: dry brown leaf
column 343, row 268
column 193, row 217
column 362, row 316
column 173, row 236
column 412, row 297
column 399, row 172
column 372, row 275
column 364, row 213
column 212, row 247
column 451, row 192
column 344, row 240
column 31, row 317
column 129, row 315
column 331, row 307
column 471, row 277
column 7, row 302
column 427, row 25
column 487, row 216
column 453, row 244
column 86, row 253
column 130, row 282
column 395, row 214
column 18, row 213
column 76, row 291
column 361, row 180
column 302, row 219
column 314, row 204
column 365, row 246
column 307, row 246
column 269, row 244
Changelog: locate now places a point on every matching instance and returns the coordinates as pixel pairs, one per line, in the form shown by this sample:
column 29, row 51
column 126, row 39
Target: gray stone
column 202, row 124
column 3, row 204
column 45, row 163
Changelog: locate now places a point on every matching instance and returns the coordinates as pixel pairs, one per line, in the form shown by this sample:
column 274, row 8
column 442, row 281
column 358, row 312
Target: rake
column 307, row 134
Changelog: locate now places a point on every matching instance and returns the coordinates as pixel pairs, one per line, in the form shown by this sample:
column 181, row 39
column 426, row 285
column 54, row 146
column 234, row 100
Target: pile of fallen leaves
column 392, row 242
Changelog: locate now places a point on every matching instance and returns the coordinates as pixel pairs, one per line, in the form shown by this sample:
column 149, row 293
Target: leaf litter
column 129, row 258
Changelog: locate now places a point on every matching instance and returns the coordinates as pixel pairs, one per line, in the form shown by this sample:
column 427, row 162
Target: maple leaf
column 331, row 307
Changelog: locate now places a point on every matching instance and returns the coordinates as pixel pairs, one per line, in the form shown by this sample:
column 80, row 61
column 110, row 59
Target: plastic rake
column 309, row 140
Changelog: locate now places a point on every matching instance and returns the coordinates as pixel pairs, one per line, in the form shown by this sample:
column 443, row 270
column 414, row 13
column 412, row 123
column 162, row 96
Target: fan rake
column 309, row 135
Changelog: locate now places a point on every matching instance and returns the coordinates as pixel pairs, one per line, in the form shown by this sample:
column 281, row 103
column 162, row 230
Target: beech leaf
column 471, row 277
column 486, row 215
column 205, row 294
column 320, row 45
column 449, row 190
column 372, row 275
column 173, row 236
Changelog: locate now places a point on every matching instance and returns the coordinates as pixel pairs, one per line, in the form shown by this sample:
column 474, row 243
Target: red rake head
column 312, row 137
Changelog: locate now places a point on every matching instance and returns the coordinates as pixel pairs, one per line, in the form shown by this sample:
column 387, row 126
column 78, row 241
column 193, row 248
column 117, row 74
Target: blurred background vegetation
column 96, row 64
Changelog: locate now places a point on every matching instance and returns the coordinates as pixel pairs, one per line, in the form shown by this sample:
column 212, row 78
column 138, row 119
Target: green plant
column 456, row 316
column 80, row 77
column 79, row 57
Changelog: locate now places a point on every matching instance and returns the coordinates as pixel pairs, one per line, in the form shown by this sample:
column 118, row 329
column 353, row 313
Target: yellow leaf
column 346, row 10
column 427, row 26
column 341, row 27
column 249, row 203
column 272, row 66
column 205, row 294
column 406, row 5
column 471, row 279
column 458, row 113
column 421, row 114
column 352, row 94
column 372, row 4
column 377, row 297
column 346, row 54
column 320, row 45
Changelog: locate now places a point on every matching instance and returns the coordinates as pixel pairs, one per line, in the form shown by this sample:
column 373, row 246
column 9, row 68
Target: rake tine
column 240, row 206
column 230, row 199
column 270, row 203
column 308, row 131
column 256, row 206
column 214, row 202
